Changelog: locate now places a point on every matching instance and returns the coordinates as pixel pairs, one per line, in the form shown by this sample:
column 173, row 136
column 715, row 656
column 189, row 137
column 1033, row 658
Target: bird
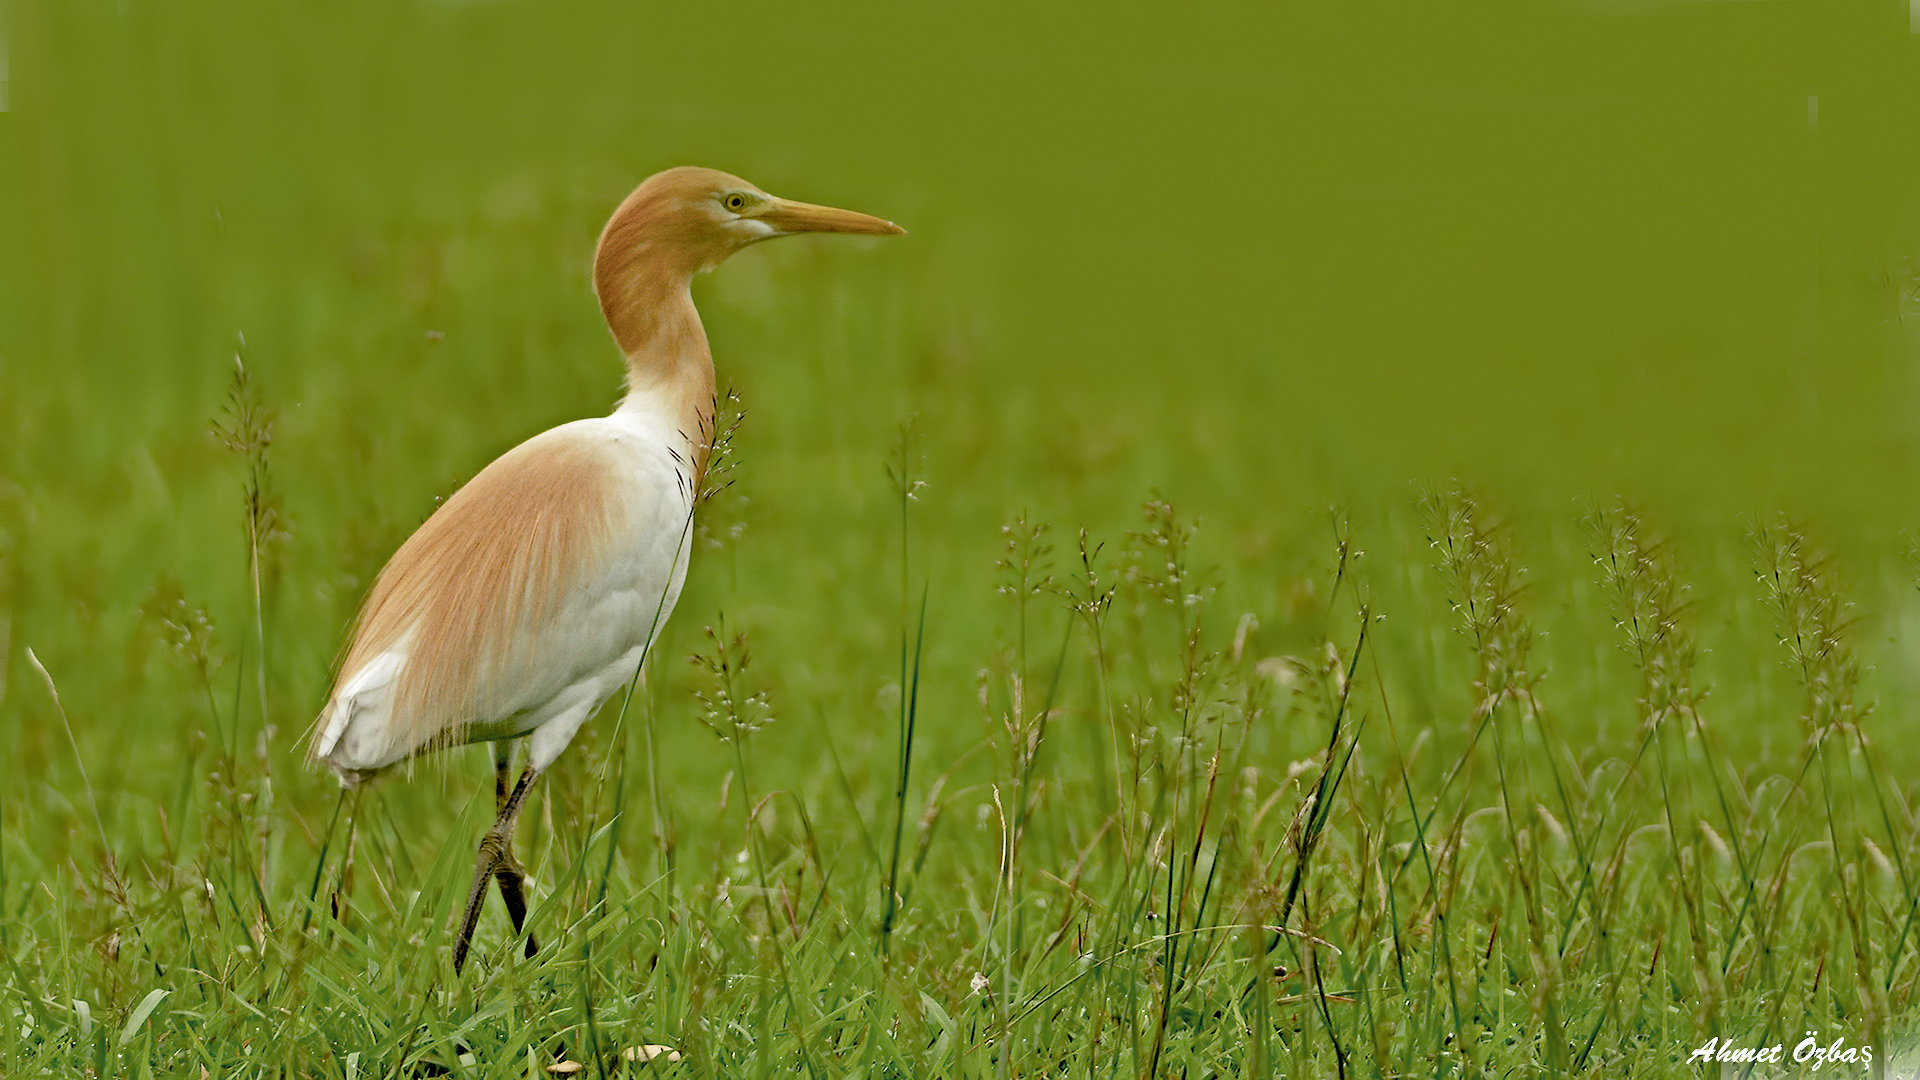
column 535, row 591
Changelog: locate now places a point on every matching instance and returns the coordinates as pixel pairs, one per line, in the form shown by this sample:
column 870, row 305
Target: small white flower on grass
column 980, row 983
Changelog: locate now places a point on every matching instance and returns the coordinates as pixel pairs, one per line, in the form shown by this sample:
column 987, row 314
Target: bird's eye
column 734, row 201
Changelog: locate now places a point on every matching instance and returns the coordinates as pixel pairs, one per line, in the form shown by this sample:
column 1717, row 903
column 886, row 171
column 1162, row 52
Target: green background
column 1258, row 259
column 1657, row 245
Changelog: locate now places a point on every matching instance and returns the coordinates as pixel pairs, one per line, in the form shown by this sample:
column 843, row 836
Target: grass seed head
column 1483, row 580
column 1026, row 559
column 1649, row 605
column 1813, row 622
column 186, row 629
column 730, row 707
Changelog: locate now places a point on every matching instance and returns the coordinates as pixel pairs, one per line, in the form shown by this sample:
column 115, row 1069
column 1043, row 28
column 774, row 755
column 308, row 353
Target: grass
column 1154, row 843
column 1088, row 669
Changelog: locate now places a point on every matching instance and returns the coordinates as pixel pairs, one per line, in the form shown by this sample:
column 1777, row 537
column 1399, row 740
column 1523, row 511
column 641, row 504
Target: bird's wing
column 554, row 561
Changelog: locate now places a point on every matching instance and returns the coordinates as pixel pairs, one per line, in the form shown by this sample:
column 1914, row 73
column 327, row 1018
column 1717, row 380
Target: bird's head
column 690, row 219
column 687, row 220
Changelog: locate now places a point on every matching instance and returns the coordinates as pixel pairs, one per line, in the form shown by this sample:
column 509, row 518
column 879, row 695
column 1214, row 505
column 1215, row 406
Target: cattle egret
column 534, row 593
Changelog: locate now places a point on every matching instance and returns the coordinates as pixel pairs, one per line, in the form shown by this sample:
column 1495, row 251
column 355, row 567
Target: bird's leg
column 343, row 888
column 496, row 861
column 506, row 869
column 320, row 867
column 502, row 768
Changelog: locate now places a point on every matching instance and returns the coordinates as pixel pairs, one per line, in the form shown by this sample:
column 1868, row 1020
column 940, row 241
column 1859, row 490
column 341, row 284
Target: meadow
column 1310, row 559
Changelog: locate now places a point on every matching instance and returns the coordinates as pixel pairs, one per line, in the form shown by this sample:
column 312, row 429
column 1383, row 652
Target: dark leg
column 344, row 887
column 509, row 874
column 319, row 869
column 496, row 861
column 512, row 891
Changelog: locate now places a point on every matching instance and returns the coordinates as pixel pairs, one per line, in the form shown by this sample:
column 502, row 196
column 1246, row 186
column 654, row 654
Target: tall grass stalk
column 1814, row 624
column 1648, row 605
column 1483, row 582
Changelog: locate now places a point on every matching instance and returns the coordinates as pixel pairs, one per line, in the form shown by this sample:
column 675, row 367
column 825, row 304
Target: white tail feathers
column 355, row 730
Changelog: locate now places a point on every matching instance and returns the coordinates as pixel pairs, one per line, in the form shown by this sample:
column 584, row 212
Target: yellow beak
column 796, row 217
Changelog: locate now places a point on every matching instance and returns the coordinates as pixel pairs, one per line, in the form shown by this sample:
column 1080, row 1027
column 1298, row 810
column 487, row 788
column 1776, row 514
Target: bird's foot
column 512, row 879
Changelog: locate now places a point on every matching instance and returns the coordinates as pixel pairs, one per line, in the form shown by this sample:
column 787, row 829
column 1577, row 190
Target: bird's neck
column 669, row 365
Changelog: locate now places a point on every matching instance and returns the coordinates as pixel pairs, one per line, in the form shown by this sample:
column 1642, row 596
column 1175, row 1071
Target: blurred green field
column 1600, row 314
